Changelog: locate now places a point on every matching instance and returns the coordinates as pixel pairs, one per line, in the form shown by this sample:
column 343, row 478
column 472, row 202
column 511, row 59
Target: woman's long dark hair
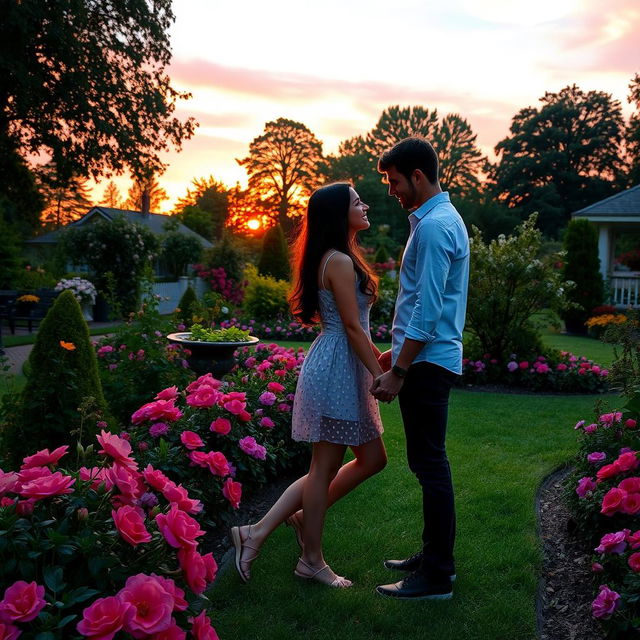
column 325, row 227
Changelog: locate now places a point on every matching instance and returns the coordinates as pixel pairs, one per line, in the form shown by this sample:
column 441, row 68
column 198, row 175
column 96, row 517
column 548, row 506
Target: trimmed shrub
column 265, row 297
column 582, row 266
column 188, row 307
column 381, row 255
column 274, row 259
column 62, row 377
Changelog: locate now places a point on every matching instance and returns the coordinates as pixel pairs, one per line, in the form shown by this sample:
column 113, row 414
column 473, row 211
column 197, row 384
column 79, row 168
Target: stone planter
column 216, row 358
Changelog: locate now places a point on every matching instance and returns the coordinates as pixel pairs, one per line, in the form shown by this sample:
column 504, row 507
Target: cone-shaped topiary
column 381, row 256
column 274, row 259
column 62, row 377
column 188, row 307
column 582, row 266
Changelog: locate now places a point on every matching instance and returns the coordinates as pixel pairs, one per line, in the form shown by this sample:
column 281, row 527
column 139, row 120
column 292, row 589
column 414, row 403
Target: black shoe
column 410, row 565
column 417, row 586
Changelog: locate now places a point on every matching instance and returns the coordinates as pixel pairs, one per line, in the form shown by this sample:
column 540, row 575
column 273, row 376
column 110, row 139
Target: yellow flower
column 69, row 346
column 28, row 297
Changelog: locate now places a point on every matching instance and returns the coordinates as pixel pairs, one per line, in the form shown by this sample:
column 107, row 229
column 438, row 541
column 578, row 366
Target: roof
column 153, row 221
column 625, row 204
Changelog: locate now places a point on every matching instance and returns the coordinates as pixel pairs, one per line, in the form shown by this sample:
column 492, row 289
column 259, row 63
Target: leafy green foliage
column 60, row 379
column 180, row 250
column 508, row 284
column 582, row 266
column 188, row 307
column 204, row 334
column 274, row 258
column 265, row 297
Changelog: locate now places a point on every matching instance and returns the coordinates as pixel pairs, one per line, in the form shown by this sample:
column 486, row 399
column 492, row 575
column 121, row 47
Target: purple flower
column 613, row 542
column 267, row 398
column 579, row 424
column 596, row 456
column 158, row 429
column 605, row 603
column 585, row 485
column 148, row 500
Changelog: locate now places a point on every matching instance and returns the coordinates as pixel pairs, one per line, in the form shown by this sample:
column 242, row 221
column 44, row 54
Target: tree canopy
column 84, row 83
column 561, row 156
column 282, row 166
column 633, row 131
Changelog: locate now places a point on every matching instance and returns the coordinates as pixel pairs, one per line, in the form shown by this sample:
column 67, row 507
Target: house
column 617, row 219
column 42, row 246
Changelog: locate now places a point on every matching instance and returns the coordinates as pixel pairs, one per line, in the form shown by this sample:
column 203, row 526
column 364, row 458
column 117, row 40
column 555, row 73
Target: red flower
column 612, row 501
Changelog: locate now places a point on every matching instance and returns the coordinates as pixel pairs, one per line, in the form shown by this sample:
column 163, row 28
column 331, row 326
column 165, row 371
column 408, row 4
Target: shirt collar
column 430, row 204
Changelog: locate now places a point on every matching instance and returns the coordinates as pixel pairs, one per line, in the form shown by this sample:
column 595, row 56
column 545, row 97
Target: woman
column 333, row 408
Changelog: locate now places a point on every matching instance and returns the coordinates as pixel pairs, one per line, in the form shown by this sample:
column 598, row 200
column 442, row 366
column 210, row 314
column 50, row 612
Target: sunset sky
column 336, row 65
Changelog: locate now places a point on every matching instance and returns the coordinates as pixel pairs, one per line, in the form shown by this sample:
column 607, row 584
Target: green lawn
column 501, row 447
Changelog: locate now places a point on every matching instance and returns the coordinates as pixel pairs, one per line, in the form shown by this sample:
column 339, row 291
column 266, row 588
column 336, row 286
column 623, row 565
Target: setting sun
column 253, row 224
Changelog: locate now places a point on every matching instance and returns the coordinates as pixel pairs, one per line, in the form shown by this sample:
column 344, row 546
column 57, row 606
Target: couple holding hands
column 345, row 375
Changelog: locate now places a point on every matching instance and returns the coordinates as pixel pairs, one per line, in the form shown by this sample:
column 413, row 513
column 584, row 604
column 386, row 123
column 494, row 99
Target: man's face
column 404, row 190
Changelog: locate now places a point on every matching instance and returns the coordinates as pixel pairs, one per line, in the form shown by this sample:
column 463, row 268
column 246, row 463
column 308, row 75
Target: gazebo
column 618, row 221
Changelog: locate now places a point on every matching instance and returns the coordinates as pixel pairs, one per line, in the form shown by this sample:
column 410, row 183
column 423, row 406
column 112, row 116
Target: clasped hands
column 387, row 385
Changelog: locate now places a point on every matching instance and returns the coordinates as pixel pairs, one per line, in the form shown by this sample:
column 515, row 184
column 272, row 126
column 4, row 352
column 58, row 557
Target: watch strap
column 399, row 371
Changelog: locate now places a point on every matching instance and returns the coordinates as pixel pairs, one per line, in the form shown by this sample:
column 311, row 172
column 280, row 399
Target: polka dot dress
column 332, row 401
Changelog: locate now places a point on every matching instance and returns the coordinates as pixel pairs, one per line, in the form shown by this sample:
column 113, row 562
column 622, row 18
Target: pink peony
column 275, row 387
column 612, row 501
column 267, row 422
column 44, row 458
column 232, row 491
column 202, row 629
column 596, row 456
column 267, row 398
column 54, row 485
column 22, row 602
column 614, row 543
column 605, row 603
column 591, row 428
column 221, row 426
column 152, row 604
column 630, row 423
column 104, row 618
column 170, row 393
column 179, row 529
column 191, row 440
column 634, row 562
column 249, row 445
column 129, row 522
column 585, row 485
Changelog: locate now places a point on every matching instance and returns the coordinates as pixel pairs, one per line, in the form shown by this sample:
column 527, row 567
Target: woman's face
column 357, row 212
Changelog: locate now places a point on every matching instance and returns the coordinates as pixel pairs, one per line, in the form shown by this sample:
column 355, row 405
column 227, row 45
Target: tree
column 582, row 266
column 10, row 253
column 65, row 200
column 207, row 195
column 111, row 197
column 150, row 186
column 282, row 166
column 633, row 131
column 85, row 84
column 561, row 157
column 178, row 251
column 197, row 220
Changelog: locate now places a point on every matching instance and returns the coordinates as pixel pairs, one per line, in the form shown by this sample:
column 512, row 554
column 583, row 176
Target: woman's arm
column 340, row 279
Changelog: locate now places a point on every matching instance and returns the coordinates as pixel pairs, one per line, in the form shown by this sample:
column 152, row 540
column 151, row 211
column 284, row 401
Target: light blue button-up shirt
column 434, row 276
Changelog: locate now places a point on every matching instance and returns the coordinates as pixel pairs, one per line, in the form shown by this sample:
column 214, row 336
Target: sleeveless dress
column 332, row 401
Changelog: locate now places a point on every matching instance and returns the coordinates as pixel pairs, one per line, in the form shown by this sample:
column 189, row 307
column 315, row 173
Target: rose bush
column 218, row 437
column 91, row 551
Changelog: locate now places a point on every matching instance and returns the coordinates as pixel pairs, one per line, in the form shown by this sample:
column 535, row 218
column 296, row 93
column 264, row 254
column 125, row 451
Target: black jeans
column 424, row 403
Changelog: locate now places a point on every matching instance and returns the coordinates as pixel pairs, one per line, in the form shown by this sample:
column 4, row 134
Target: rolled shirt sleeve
column 435, row 251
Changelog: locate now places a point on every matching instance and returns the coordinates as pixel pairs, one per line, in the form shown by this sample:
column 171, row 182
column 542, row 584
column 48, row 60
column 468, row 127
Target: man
column 426, row 356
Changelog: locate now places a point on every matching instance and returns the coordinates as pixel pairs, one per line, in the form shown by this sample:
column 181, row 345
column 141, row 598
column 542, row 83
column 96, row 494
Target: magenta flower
column 596, row 456
column 252, row 448
column 191, row 440
column 614, row 543
column 267, row 398
column 158, row 429
column 585, row 485
column 605, row 603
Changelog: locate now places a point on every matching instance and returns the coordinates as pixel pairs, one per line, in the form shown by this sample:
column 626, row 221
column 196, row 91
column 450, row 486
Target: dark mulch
column 566, row 588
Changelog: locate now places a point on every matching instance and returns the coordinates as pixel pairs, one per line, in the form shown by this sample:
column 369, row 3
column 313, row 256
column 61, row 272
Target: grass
column 500, row 447
column 30, row 338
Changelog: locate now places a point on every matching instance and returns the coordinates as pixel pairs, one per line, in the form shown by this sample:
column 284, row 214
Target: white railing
column 625, row 291
column 171, row 292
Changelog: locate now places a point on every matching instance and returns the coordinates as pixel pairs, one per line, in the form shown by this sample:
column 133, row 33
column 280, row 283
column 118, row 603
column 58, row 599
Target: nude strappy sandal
column 339, row 582
column 239, row 547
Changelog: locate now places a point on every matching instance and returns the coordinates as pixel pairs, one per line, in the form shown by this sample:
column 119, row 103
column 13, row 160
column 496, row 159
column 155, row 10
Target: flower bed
column 89, row 551
column 604, row 496
column 564, row 373
column 218, row 436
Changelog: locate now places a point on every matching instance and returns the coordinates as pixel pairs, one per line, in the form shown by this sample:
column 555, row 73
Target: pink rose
column 44, row 458
column 194, row 570
column 612, row 501
column 104, row 618
column 54, row 485
column 267, row 422
column 8, row 631
column 267, row 398
column 631, row 504
column 524, row 365
column 207, row 380
column 221, row 426
column 127, row 481
column 8, row 482
column 585, row 485
column 203, row 397
column 157, row 411
column 202, row 629
column 596, row 456
column 605, row 603
column 179, row 496
column 173, row 632
column 25, row 507
column 591, row 428
column 634, row 540
column 155, row 478
column 151, row 602
column 275, row 387
column 130, row 525
column 614, row 543
column 214, row 460
column 627, row 461
column 170, row 393
column 630, row 485
column 608, row 471
column 115, row 447
column 630, row 423
column 634, row 562
column 596, row 567
column 232, row 491
column 179, row 529
column 249, row 445
column 179, row 602
column 22, row 602
column 191, row 440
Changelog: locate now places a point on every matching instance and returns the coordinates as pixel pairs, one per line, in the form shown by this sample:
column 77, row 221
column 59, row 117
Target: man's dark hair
column 411, row 154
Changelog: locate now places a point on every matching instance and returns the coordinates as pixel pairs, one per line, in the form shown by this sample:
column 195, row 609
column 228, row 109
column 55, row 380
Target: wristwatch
column 399, row 371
